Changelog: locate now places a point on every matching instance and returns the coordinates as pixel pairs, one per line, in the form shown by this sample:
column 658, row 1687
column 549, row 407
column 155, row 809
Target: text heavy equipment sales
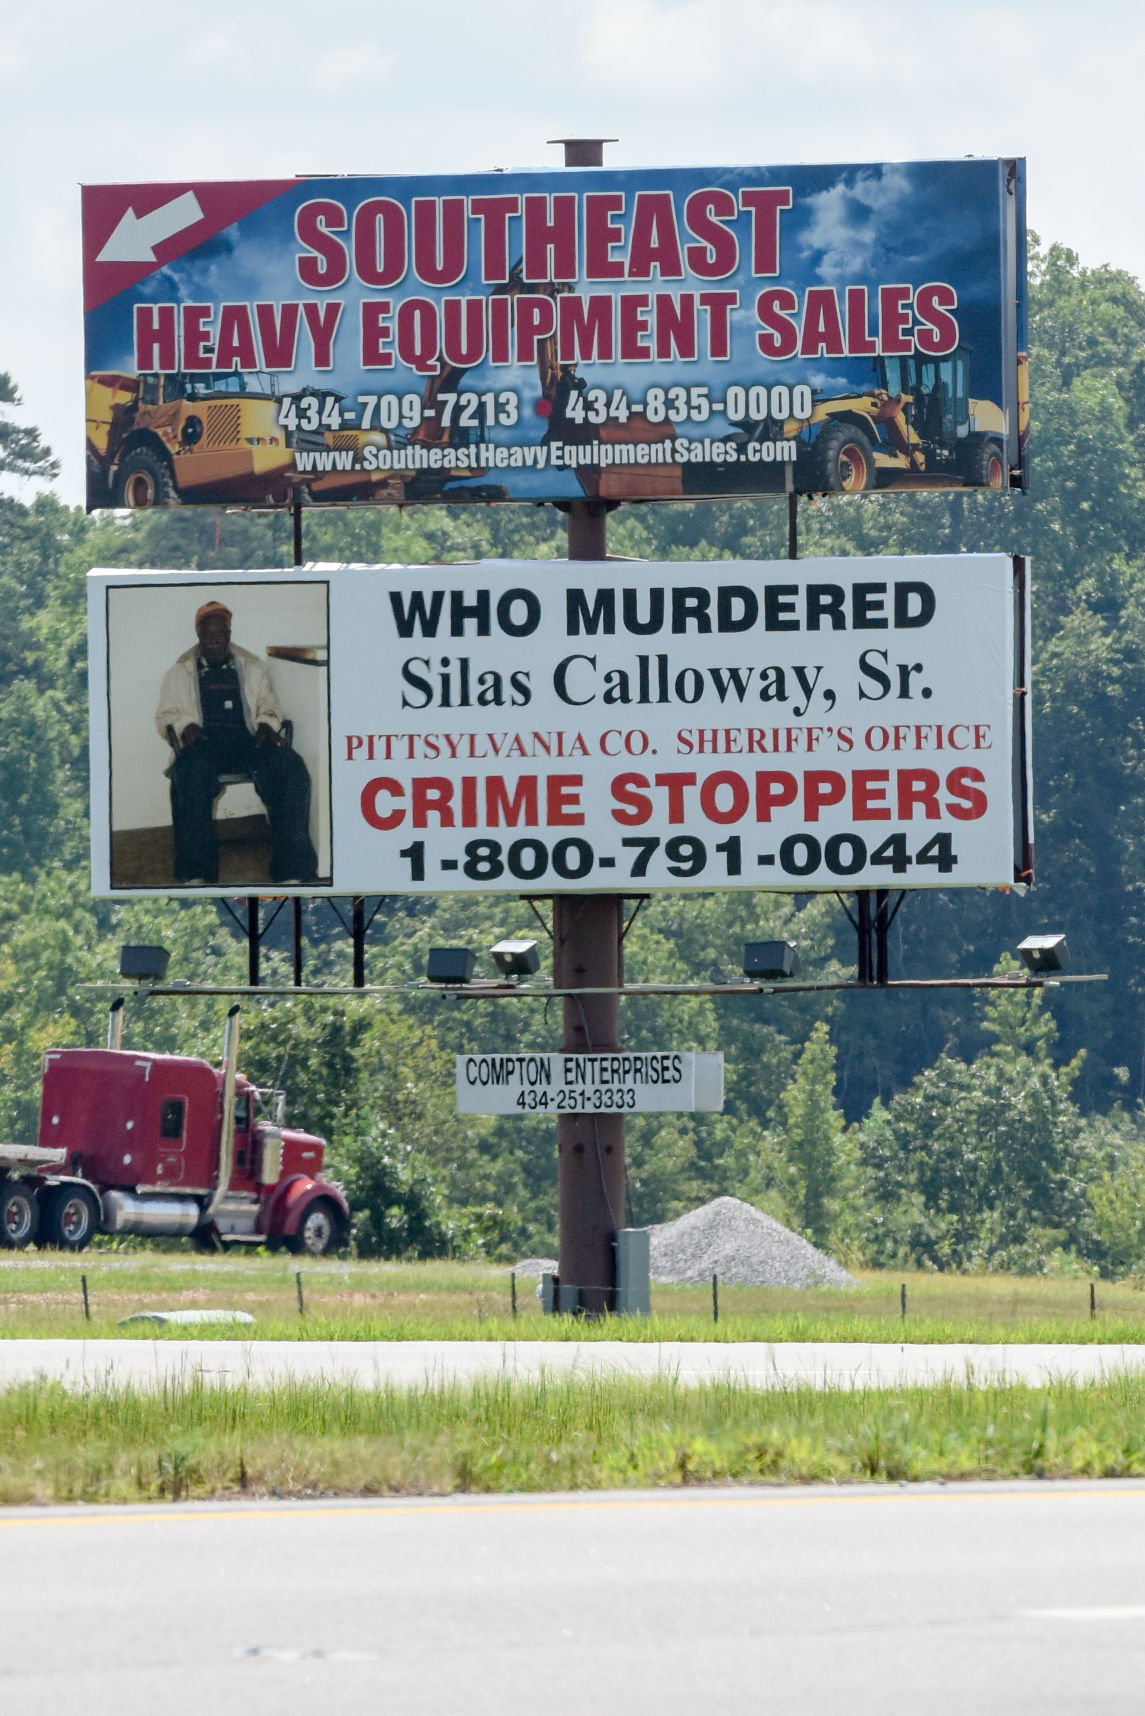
column 562, row 240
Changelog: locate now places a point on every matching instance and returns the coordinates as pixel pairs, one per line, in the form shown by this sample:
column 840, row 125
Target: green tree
column 22, row 453
column 1084, row 525
column 808, row 1148
column 1116, row 1193
column 982, row 1165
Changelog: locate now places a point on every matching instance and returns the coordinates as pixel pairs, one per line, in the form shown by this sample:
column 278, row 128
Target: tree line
column 938, row 1130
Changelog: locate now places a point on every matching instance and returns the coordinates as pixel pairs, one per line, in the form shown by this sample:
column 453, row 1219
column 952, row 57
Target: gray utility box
column 633, row 1297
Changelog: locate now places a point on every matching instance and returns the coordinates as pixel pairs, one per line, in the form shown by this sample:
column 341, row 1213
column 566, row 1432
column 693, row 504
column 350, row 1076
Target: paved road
column 994, row 1600
column 404, row 1363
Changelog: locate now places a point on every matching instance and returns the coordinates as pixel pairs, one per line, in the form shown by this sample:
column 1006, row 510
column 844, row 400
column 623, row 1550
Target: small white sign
column 625, row 1081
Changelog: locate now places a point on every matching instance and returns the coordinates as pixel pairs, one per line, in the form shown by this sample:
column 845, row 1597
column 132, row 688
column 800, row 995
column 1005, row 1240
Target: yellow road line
column 198, row 1512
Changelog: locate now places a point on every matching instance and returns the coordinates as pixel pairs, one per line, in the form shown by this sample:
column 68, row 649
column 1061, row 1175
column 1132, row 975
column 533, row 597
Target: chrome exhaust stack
column 227, row 1140
column 115, row 1024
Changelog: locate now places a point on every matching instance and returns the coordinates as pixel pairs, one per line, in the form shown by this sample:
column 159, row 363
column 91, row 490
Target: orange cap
column 212, row 608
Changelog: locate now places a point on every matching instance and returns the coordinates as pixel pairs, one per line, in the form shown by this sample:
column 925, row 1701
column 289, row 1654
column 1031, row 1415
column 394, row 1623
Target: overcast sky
column 127, row 91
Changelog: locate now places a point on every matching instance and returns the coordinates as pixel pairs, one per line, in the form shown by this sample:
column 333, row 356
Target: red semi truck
column 165, row 1145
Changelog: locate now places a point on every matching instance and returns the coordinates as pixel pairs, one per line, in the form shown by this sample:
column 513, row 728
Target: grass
column 40, row 1296
column 199, row 1440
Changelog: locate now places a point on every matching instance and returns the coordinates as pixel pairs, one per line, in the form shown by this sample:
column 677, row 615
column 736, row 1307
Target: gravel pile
column 742, row 1246
column 536, row 1266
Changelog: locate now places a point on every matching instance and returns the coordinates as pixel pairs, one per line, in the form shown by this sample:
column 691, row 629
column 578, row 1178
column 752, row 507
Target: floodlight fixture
column 770, row 961
column 516, row 957
column 450, row 964
column 144, row 964
column 1044, row 953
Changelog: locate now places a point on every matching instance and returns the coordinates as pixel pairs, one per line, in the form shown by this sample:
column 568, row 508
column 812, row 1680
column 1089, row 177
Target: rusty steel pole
column 591, row 1178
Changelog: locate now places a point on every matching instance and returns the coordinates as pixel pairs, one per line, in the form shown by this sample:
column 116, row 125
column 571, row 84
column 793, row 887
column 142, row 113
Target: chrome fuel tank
column 124, row 1212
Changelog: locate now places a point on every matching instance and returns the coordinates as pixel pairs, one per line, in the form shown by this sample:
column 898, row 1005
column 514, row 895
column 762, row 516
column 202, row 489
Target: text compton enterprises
column 513, row 725
column 636, row 1081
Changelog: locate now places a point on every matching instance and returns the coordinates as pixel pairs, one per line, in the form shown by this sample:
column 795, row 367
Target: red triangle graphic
column 104, row 206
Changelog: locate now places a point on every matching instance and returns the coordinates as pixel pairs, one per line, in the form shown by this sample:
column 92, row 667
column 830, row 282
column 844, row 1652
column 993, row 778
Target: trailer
column 166, row 1145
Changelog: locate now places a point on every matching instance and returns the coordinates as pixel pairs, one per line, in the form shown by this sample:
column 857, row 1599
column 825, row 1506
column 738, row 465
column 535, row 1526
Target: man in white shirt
column 218, row 705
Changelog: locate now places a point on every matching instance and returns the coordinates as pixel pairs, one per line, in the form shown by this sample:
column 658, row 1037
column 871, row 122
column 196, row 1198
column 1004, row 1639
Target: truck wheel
column 841, row 461
column 982, row 465
column 320, row 1231
column 19, row 1216
column 98, row 488
column 145, row 479
column 71, row 1219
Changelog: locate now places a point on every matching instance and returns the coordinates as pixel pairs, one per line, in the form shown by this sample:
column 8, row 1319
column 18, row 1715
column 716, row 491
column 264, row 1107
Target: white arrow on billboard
column 136, row 236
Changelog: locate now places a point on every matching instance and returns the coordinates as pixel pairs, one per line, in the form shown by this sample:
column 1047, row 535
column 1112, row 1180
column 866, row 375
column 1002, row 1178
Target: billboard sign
column 623, row 1082
column 650, row 333
column 543, row 726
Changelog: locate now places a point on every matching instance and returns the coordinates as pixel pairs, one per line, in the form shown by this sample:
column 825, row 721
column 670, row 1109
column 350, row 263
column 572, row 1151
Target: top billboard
column 651, row 333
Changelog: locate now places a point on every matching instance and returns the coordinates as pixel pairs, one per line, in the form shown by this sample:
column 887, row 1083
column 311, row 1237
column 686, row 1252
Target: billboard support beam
column 296, row 515
column 591, row 1174
column 872, row 932
column 253, row 940
column 358, row 908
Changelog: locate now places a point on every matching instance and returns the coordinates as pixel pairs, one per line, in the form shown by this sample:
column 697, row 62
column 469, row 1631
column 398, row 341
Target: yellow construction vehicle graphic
column 158, row 440
column 155, row 440
column 918, row 423
column 915, row 426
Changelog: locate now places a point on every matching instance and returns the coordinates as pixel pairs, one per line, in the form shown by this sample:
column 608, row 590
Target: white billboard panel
column 624, row 1081
column 554, row 727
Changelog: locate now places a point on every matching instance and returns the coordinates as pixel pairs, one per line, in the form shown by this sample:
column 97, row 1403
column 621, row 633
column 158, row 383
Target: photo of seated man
column 219, row 734
column 218, row 709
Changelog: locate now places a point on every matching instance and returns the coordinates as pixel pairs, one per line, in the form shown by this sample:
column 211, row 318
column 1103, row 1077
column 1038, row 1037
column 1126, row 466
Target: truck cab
column 135, row 1143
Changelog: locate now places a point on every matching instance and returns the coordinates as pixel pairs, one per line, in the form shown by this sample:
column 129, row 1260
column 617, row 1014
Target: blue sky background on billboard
column 833, row 238
column 125, row 92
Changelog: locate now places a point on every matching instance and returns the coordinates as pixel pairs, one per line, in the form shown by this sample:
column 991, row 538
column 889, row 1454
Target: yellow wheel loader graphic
column 155, row 440
column 159, row 440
